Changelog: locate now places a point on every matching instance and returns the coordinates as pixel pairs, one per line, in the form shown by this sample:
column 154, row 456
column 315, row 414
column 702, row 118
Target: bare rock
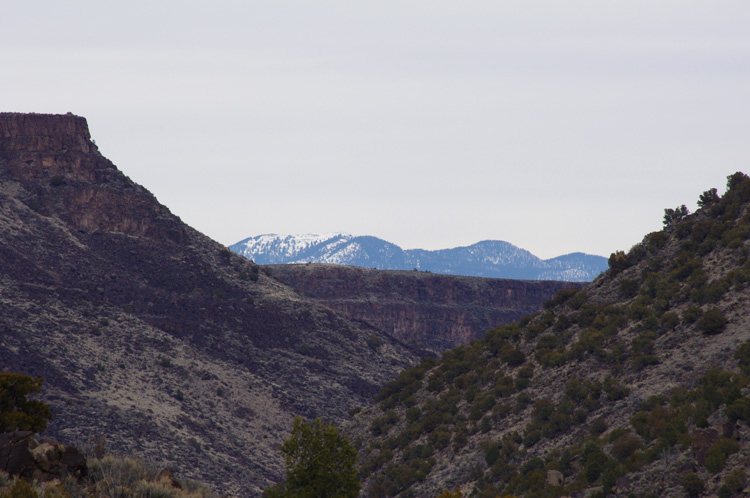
column 22, row 455
column 703, row 439
column 167, row 478
column 434, row 312
column 555, row 478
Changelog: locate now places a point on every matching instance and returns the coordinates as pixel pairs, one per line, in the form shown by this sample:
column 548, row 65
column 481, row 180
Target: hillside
column 636, row 386
column 151, row 334
column 489, row 258
column 428, row 311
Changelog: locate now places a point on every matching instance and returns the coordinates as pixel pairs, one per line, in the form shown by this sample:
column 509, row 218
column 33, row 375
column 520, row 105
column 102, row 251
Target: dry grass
column 113, row 477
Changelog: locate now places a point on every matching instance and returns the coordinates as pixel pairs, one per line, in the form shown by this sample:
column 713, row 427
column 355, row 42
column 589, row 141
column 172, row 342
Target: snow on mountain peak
column 488, row 258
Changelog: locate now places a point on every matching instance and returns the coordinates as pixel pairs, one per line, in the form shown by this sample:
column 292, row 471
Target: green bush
column 672, row 216
column 413, row 414
column 17, row 412
column 374, row 342
column 592, row 471
column 617, row 262
column 742, row 355
column 406, row 384
column 715, row 290
column 319, row 462
column 691, row 314
column 735, row 480
column 513, row 357
column 656, row 240
column 491, row 453
column 562, row 323
column 712, row 322
column 669, row 320
column 532, row 464
column 628, row 288
column 460, row 438
column 614, row 390
column 21, row 489
column 531, row 437
column 598, row 426
column 715, row 460
column 578, row 300
column 526, row 372
column 708, row 198
column 440, row 438
column 382, row 425
column 481, row 405
column 716, row 456
column 560, row 297
column 692, row 484
column 625, row 446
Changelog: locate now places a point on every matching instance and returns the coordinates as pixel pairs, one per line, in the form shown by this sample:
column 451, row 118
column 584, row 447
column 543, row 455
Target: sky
column 556, row 126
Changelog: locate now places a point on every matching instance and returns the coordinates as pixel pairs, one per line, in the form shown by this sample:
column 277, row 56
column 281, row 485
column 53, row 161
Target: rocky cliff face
column 47, row 134
column 64, row 175
column 153, row 335
column 429, row 311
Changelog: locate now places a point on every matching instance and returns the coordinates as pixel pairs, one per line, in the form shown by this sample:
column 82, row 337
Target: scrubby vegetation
column 319, row 463
column 109, row 476
column 17, row 411
column 493, row 403
column 637, row 385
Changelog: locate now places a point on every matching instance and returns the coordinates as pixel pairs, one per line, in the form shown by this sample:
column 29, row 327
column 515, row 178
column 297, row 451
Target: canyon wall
column 430, row 311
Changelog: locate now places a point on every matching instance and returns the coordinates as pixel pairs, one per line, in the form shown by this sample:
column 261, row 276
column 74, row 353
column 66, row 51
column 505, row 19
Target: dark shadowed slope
column 150, row 333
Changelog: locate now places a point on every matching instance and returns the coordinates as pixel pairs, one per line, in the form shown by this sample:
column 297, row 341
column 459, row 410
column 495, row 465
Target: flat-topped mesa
column 37, row 148
column 44, row 132
column 52, row 158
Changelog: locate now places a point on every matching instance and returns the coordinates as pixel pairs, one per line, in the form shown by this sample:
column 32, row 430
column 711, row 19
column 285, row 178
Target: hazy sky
column 556, row 126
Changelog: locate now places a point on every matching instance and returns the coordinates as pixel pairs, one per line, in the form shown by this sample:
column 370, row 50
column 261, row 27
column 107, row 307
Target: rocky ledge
column 430, row 311
column 21, row 454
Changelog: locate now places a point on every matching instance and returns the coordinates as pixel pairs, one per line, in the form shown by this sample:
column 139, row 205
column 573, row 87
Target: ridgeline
column 634, row 386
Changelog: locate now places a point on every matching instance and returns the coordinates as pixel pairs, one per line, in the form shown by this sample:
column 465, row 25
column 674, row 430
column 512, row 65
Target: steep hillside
column 429, row 311
column 490, row 258
column 153, row 335
column 635, row 386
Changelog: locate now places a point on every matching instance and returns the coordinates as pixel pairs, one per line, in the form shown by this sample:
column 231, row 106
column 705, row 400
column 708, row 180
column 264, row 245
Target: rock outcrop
column 430, row 311
column 48, row 134
column 22, row 455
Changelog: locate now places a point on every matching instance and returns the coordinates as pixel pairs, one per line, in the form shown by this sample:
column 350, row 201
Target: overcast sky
column 556, row 126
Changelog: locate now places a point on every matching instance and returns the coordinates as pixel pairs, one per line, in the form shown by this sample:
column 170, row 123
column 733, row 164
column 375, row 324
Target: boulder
column 167, row 478
column 44, row 460
column 703, row 439
column 555, row 478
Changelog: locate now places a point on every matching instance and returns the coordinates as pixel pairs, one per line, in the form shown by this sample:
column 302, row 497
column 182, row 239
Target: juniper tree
column 320, row 463
column 17, row 412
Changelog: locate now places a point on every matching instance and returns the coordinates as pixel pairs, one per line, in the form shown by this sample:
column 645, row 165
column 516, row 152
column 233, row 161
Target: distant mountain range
column 489, row 258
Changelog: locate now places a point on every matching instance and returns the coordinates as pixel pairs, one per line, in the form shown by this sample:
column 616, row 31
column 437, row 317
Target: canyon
column 425, row 310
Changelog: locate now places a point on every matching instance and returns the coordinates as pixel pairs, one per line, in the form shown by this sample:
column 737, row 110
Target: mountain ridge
column 151, row 334
column 487, row 258
column 637, row 385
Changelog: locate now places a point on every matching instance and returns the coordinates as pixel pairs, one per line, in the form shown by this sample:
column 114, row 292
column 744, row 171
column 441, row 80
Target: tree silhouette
column 319, row 463
column 17, row 412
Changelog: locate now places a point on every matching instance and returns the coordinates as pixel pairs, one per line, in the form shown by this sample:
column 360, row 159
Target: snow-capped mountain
column 489, row 258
